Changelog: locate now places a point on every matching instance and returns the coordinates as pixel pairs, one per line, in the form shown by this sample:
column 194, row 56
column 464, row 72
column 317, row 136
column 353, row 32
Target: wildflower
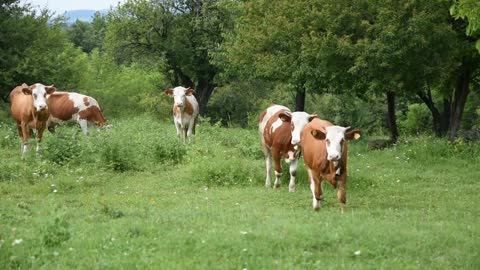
column 243, row 232
column 358, row 252
column 17, row 242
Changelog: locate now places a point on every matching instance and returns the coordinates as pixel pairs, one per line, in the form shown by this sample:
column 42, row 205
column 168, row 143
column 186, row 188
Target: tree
column 33, row 49
column 182, row 34
column 468, row 10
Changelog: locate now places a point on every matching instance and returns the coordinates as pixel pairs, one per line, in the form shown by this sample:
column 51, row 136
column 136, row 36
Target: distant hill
column 85, row 15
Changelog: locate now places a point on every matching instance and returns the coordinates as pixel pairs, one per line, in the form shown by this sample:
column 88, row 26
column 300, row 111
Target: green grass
column 113, row 201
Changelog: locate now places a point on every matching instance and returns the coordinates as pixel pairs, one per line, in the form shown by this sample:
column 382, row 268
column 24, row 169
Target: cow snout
column 179, row 104
column 333, row 157
column 41, row 107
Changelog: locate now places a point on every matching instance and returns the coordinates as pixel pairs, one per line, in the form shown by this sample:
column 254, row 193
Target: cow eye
column 35, row 95
column 328, row 141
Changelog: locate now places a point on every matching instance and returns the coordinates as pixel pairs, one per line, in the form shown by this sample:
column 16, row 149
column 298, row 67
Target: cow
column 71, row 106
column 279, row 130
column 30, row 111
column 185, row 111
column 324, row 147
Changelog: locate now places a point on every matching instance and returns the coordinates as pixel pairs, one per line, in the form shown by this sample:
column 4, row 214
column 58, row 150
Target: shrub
column 63, row 146
column 56, row 233
column 118, row 157
column 418, row 119
column 169, row 151
column 227, row 172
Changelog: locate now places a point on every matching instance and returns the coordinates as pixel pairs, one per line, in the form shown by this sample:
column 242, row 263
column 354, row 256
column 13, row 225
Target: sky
column 60, row 6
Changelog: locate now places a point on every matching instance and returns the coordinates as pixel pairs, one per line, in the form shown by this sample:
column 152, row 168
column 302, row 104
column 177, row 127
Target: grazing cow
column 324, row 149
column 185, row 111
column 30, row 111
column 280, row 130
column 70, row 106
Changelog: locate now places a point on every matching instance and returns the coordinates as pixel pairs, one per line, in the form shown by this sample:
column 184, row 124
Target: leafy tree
column 468, row 10
column 182, row 32
column 33, row 49
column 88, row 35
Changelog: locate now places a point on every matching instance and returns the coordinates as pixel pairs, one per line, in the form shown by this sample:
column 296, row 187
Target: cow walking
column 280, row 130
column 324, row 147
column 185, row 111
column 30, row 111
column 71, row 106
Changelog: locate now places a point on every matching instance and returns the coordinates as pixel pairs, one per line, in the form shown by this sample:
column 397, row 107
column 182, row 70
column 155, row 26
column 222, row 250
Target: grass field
column 132, row 198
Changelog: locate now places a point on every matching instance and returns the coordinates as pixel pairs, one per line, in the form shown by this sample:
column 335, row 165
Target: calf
column 280, row 130
column 185, row 111
column 324, row 149
column 71, row 106
column 30, row 111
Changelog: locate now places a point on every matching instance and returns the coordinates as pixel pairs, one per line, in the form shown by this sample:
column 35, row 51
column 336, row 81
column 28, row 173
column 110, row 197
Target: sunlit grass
column 409, row 207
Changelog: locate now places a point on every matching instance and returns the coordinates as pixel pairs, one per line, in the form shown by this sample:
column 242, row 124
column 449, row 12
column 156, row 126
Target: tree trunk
column 392, row 119
column 300, row 100
column 439, row 120
column 459, row 99
column 203, row 91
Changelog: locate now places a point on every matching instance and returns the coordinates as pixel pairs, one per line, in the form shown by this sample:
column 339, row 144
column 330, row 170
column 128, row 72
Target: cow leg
column 26, row 133
column 39, row 139
column 341, row 193
column 190, row 129
column 278, row 167
column 293, row 173
column 268, row 165
column 316, row 188
column 84, row 125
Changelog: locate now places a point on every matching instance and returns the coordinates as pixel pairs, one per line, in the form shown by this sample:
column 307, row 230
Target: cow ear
column 190, row 91
column 318, row 134
column 285, row 116
column 311, row 117
column 50, row 89
column 353, row 134
column 26, row 89
column 169, row 92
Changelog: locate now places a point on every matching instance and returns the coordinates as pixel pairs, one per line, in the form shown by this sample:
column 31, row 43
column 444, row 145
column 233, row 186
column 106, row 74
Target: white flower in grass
column 55, row 253
column 243, row 232
column 244, row 250
column 17, row 242
column 55, row 191
column 357, row 253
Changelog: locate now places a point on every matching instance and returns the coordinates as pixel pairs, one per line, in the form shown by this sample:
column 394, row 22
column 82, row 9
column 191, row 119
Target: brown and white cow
column 185, row 111
column 30, row 111
column 71, row 106
column 280, row 130
column 324, row 148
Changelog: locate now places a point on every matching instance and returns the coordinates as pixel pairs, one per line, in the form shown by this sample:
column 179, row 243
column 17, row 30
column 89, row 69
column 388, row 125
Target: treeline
column 389, row 67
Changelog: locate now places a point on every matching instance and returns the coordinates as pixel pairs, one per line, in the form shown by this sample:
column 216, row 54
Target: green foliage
column 227, row 172
column 64, row 147
column 168, row 150
column 417, row 120
column 56, row 233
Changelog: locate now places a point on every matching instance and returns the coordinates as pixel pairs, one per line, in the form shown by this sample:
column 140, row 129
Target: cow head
column 335, row 137
column 297, row 120
column 179, row 94
column 39, row 94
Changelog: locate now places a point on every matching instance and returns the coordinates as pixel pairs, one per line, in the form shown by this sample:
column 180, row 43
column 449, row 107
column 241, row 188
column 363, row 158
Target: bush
column 169, row 151
column 418, row 120
column 227, row 172
column 63, row 146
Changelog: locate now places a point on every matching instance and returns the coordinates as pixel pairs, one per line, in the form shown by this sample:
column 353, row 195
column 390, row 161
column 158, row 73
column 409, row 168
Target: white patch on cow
column 268, row 164
column 293, row 171
column 299, row 120
column 334, row 141
column 39, row 95
column 315, row 203
column 268, row 114
column 277, row 179
column 276, row 125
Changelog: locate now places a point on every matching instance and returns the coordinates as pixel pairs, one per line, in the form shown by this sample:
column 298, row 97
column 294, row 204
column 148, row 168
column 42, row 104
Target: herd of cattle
column 283, row 133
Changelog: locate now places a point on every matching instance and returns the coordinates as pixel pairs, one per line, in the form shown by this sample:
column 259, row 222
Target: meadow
column 131, row 197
